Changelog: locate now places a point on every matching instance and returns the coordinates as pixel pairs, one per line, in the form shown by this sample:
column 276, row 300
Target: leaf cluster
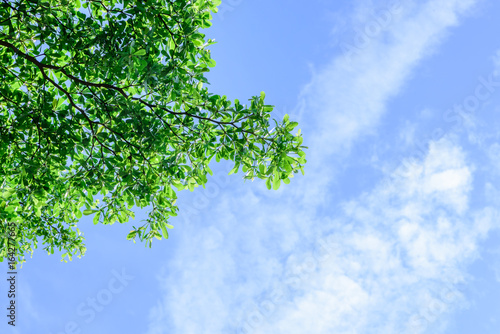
column 108, row 98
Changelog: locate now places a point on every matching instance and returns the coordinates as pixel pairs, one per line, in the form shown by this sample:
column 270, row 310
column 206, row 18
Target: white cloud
column 347, row 98
column 399, row 256
column 494, row 155
column 407, row 134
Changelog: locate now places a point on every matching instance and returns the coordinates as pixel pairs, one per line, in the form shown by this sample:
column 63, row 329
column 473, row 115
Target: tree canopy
column 108, row 99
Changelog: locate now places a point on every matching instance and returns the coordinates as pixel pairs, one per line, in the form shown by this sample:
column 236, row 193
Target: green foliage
column 107, row 98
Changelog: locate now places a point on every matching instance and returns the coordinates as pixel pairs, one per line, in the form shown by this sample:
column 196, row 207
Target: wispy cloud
column 400, row 254
column 389, row 261
column 346, row 99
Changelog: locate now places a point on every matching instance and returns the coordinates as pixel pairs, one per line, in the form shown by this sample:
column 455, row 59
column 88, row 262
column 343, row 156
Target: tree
column 107, row 98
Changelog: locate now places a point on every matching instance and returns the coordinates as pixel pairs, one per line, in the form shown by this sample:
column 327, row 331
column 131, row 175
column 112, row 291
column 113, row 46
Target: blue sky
column 395, row 227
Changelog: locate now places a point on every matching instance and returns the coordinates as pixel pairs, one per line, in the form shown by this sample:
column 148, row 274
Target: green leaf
column 140, row 52
column 235, row 169
column 131, row 235
column 6, row 195
column 262, row 168
column 211, row 63
column 268, row 183
column 164, row 231
column 276, row 182
column 268, row 108
column 178, row 185
column 89, row 212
